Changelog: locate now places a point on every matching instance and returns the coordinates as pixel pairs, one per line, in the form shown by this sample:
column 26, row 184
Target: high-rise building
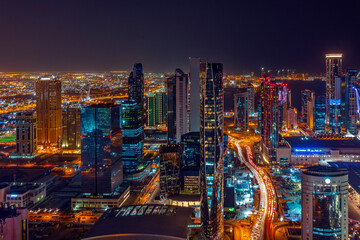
column 71, row 128
column 284, row 105
column 319, row 115
column 333, row 70
column 14, row 223
column 270, row 117
column 324, row 203
column 169, row 156
column 336, row 108
column 160, row 106
column 49, row 112
column 190, row 143
column 177, row 87
column 133, row 136
column 307, row 108
column 251, row 91
column 291, row 122
column 150, row 109
column 101, row 149
column 26, row 138
column 194, row 77
column 241, row 111
column 351, row 107
column 136, row 89
column 211, row 151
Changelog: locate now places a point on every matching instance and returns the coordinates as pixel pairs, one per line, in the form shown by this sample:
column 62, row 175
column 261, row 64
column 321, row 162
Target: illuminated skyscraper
column 211, row 151
column 160, row 104
column 333, row 70
column 190, row 143
column 177, row 95
column 136, row 89
column 319, row 115
column 194, row 77
column 71, row 128
column 291, row 122
column 241, row 111
column 48, row 111
column 150, row 109
column 133, row 135
column 169, row 157
column 336, row 107
column 26, row 134
column 351, row 107
column 251, row 91
column 284, row 104
column 307, row 108
column 270, row 117
column 324, row 203
column 101, row 143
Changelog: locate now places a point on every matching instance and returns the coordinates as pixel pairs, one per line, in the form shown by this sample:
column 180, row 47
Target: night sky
column 86, row 35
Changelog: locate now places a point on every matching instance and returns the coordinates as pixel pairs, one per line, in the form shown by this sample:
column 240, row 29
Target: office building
column 150, row 109
column 211, row 151
column 170, row 157
column 177, row 105
column 291, row 122
column 160, row 106
column 336, row 108
column 26, row 134
column 333, row 70
column 136, row 89
column 49, row 112
column 101, row 149
column 351, row 106
column 324, row 203
column 270, row 118
column 251, row 91
column 194, row 77
column 284, row 104
column 133, row 136
column 241, row 111
column 319, row 115
column 14, row 224
column 307, row 108
column 71, row 128
column 190, row 143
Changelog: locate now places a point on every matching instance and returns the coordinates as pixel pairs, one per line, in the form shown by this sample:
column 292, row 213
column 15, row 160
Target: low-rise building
column 25, row 194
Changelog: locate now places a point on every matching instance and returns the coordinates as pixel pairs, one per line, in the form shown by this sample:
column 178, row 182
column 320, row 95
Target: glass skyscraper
column 101, row 149
column 136, row 89
column 211, row 150
column 190, row 143
column 351, row 106
column 133, row 135
column 241, row 111
column 319, row 115
column 324, row 203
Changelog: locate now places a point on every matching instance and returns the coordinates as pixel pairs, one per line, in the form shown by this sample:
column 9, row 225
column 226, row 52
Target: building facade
column 194, row 83
column 136, row 89
column 49, row 112
column 101, row 149
column 71, row 118
column 190, row 143
column 211, row 151
column 324, row 203
column 170, row 157
column 307, row 108
column 319, row 115
column 26, row 134
column 241, row 111
column 351, row 106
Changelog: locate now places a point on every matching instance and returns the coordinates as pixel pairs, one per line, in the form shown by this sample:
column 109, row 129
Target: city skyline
column 94, row 36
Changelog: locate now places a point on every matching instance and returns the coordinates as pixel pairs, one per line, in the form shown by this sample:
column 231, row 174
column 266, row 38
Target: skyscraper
column 190, row 143
column 270, row 117
column 333, row 70
column 351, row 107
column 336, row 108
column 319, row 114
column 241, row 111
column 133, row 135
column 150, row 109
column 291, row 122
column 71, row 128
column 101, row 149
column 160, row 104
column 169, row 156
column 177, row 87
column 284, row 105
column 211, row 142
column 324, row 203
column 136, row 89
column 48, row 111
column 26, row 138
column 307, row 108
column 194, row 77
column 251, row 91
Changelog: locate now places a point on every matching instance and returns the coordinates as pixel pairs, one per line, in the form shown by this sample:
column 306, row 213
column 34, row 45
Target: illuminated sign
column 335, row 102
column 13, row 195
column 327, row 180
column 308, row 150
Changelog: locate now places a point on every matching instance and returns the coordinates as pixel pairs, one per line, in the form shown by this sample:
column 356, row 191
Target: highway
column 262, row 227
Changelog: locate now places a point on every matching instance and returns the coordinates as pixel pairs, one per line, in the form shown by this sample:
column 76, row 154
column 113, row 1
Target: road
column 147, row 192
column 263, row 227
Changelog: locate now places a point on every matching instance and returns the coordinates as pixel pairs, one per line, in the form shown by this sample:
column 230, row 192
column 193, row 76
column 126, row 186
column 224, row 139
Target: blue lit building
column 101, row 149
column 190, row 143
column 133, row 135
column 136, row 89
column 241, row 111
column 319, row 115
column 351, row 105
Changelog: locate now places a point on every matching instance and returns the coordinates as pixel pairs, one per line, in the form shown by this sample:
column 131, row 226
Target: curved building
column 324, row 203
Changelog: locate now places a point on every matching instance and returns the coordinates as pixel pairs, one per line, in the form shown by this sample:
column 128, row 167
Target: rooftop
column 325, row 171
column 142, row 222
column 309, row 142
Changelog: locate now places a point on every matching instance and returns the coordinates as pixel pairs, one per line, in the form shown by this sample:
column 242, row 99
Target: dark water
column 318, row 86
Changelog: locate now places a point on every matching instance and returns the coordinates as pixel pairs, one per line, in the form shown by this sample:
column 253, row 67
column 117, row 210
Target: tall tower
column 324, row 203
column 241, row 110
column 101, row 148
column 307, row 108
column 136, row 89
column 26, row 134
column 194, row 77
column 177, row 106
column 150, row 109
column 48, row 111
column 319, row 114
column 351, row 107
column 270, row 117
column 211, row 151
column 71, row 128
column 333, row 70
